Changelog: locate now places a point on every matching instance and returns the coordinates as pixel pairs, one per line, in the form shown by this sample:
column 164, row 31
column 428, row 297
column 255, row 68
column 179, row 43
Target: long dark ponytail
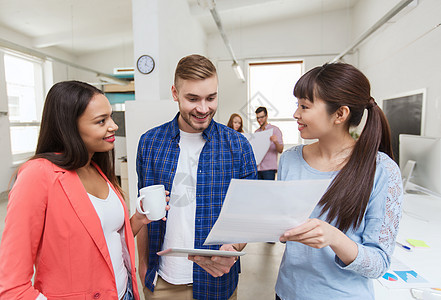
column 340, row 84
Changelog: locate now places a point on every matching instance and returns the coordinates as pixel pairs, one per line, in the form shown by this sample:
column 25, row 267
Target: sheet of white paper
column 262, row 210
column 260, row 141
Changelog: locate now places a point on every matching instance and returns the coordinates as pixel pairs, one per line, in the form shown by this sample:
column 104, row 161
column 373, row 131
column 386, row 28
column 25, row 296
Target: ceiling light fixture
column 238, row 70
column 211, row 5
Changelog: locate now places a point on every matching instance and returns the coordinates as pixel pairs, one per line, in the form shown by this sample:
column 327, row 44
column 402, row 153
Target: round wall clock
column 145, row 64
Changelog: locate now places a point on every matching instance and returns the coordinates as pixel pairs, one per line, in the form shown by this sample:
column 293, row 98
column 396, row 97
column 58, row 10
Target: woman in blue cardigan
column 350, row 235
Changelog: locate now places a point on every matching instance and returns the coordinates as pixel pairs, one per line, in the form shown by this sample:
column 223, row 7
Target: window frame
column 39, row 89
column 251, row 120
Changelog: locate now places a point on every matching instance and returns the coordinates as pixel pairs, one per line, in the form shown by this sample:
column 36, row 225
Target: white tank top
column 111, row 213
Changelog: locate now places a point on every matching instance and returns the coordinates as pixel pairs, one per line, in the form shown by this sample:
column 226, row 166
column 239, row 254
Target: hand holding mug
column 152, row 202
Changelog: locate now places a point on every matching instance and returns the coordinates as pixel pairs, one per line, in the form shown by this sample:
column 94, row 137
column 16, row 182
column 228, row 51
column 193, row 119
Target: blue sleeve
column 382, row 218
column 140, row 162
column 281, row 167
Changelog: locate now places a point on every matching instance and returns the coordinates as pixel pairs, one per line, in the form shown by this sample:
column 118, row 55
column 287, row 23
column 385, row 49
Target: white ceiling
column 235, row 14
column 75, row 26
column 83, row 26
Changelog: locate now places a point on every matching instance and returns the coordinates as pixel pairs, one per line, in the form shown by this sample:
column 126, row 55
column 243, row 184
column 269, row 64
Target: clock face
column 145, row 64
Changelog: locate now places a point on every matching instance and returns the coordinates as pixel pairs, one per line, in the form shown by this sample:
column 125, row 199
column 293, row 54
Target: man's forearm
column 279, row 147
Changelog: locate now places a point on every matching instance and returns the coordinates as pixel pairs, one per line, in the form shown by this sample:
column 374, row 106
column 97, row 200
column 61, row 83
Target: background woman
column 235, row 122
column 351, row 234
column 66, row 215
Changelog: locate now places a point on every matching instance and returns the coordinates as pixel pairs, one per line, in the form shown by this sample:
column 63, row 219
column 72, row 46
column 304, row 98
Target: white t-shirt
column 181, row 216
column 111, row 213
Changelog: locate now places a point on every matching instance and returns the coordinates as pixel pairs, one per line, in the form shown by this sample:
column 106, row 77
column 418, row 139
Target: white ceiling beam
column 67, row 37
column 200, row 6
column 51, row 40
column 25, row 50
column 389, row 15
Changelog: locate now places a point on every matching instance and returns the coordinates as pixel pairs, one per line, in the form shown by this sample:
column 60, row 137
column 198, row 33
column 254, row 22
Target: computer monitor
column 406, row 172
column 426, row 154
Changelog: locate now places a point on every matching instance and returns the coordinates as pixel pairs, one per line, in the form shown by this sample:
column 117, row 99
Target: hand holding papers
column 260, row 142
column 216, row 265
column 262, row 210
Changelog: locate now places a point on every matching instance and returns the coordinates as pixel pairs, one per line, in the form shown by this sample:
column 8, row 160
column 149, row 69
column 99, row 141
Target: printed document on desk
column 262, row 210
column 400, row 276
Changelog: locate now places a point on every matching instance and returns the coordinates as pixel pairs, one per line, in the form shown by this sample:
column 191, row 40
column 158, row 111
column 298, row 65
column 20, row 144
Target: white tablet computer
column 201, row 252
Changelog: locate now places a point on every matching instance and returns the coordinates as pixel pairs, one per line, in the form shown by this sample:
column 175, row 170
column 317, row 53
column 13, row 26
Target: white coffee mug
column 153, row 202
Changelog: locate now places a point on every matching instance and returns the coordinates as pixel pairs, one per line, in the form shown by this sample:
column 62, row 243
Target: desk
column 421, row 220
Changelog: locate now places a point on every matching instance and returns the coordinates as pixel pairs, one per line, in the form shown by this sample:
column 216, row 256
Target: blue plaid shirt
column 225, row 155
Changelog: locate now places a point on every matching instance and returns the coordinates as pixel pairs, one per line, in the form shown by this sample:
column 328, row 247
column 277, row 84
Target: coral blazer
column 52, row 224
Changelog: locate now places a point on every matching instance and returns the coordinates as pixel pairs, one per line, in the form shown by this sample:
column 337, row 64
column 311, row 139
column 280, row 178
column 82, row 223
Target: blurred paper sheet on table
column 262, row 210
column 400, row 276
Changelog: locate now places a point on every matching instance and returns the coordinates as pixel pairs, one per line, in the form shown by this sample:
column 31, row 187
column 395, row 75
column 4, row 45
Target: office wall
column 316, row 39
column 105, row 61
column 367, row 13
column 405, row 55
column 167, row 31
